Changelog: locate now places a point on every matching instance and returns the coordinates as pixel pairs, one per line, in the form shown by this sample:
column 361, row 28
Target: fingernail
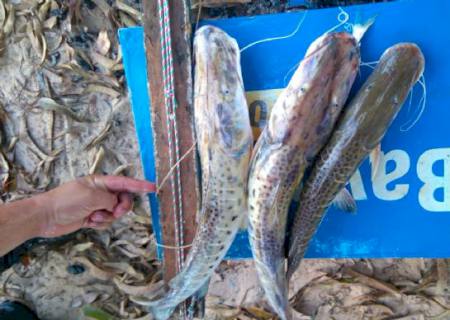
column 150, row 187
column 97, row 217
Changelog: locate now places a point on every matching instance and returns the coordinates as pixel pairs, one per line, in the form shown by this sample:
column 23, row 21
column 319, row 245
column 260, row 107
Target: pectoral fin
column 344, row 201
column 375, row 157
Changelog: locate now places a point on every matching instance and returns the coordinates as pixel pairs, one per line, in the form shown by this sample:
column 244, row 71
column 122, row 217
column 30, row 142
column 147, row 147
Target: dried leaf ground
column 64, row 113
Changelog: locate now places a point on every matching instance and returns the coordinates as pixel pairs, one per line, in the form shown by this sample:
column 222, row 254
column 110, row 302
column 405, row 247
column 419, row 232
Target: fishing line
column 187, row 246
column 175, row 166
column 293, row 33
column 200, row 7
column 342, row 17
column 410, row 99
column 422, row 103
column 167, row 75
column 371, row 64
column 170, row 104
column 291, row 70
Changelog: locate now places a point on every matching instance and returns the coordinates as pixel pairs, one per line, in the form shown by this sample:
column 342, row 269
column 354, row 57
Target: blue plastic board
column 405, row 210
column 134, row 61
column 312, row 4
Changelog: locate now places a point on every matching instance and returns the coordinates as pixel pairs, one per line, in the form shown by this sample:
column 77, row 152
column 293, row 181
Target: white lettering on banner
column 432, row 182
column 382, row 179
column 357, row 186
column 260, row 105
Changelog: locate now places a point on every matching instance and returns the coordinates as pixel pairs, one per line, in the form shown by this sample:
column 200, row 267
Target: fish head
column 317, row 92
column 403, row 65
column 227, row 115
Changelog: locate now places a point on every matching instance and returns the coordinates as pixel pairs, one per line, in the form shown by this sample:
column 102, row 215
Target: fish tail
column 161, row 312
column 282, row 306
column 275, row 286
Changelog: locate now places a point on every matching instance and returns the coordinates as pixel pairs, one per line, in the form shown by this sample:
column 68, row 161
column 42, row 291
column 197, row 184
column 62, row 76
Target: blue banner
column 404, row 211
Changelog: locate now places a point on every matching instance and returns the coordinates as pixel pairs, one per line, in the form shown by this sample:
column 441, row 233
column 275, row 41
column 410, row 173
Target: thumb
column 104, row 200
column 101, row 198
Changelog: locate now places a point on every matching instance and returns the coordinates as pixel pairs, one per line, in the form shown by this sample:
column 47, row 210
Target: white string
column 422, row 103
column 173, row 247
column 371, row 64
column 410, row 99
column 177, row 164
column 294, row 67
column 169, row 108
column 293, row 33
column 342, row 17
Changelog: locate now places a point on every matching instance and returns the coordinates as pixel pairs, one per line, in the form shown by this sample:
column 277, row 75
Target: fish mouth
column 344, row 38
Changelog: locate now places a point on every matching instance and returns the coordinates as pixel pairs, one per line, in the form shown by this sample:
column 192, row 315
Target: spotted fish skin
column 361, row 127
column 224, row 139
column 299, row 124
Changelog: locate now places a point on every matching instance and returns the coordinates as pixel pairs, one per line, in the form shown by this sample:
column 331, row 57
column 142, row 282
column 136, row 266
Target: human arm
column 88, row 202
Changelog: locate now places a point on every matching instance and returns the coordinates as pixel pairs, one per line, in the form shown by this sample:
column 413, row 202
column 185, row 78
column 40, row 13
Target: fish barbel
column 224, row 140
column 360, row 129
column 299, row 125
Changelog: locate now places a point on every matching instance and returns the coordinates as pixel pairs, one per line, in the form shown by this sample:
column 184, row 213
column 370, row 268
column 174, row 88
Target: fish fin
column 375, row 157
column 256, row 147
column 159, row 313
column 205, row 198
column 344, row 201
column 358, row 29
column 197, row 304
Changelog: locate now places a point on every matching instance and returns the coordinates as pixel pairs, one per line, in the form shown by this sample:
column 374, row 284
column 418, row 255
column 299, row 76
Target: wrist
column 22, row 220
column 40, row 215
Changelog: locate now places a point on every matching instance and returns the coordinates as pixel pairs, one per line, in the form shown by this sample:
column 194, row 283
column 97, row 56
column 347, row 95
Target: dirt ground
column 64, row 113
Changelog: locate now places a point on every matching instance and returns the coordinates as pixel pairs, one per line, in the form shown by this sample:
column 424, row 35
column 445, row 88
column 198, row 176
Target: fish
column 360, row 129
column 225, row 141
column 300, row 122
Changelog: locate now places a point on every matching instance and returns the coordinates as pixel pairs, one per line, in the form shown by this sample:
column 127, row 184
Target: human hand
column 89, row 202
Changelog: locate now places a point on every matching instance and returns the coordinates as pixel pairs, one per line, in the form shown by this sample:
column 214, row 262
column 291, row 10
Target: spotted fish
column 360, row 129
column 300, row 123
column 224, row 139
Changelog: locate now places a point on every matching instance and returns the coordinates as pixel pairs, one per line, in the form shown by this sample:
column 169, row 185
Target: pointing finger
column 124, row 184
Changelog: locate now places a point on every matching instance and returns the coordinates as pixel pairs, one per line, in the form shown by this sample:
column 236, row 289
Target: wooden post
column 182, row 63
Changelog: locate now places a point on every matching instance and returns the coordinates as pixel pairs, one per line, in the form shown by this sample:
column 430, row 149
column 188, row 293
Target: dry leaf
column 135, row 14
column 51, row 105
column 9, row 23
column 94, row 271
column 103, row 44
column 149, row 290
column 103, row 6
column 50, row 23
column 2, row 13
column 99, row 155
column 100, row 136
column 81, row 247
column 121, row 169
column 96, row 88
column 259, row 313
column 43, row 9
column 372, row 282
column 126, row 20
